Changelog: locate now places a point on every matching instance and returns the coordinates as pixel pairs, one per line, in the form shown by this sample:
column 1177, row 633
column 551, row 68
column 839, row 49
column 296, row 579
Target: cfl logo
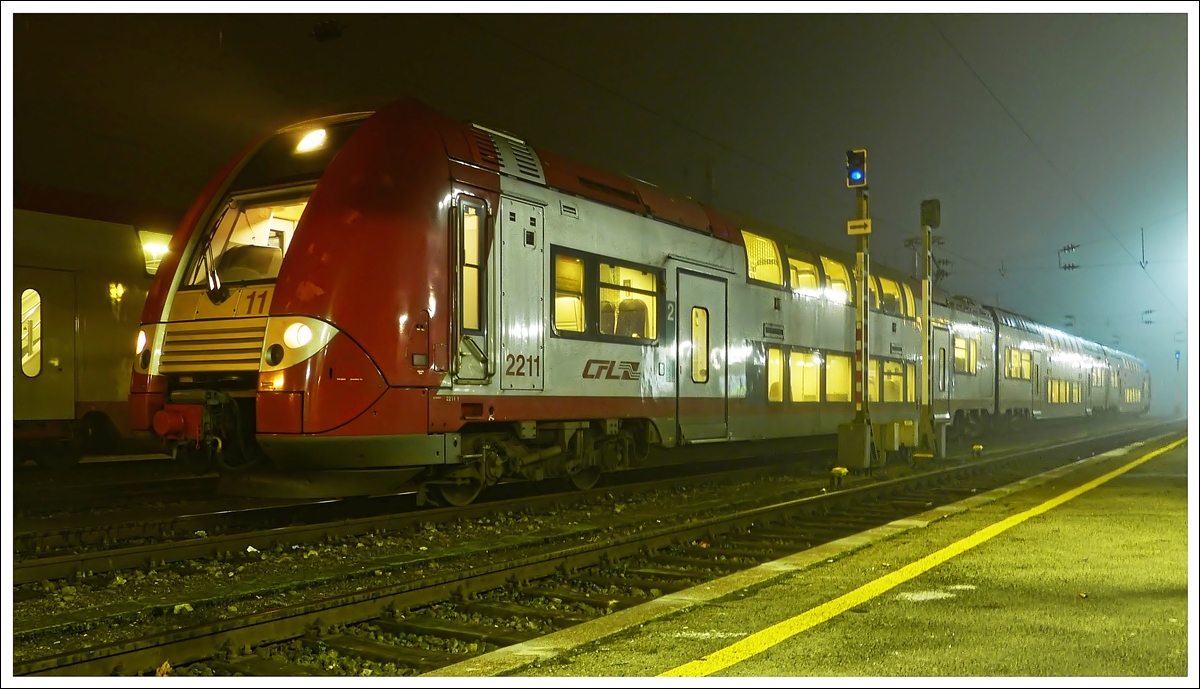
column 596, row 369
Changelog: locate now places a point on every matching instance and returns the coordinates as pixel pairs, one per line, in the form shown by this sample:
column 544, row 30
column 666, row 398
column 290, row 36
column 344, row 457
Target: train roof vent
column 487, row 147
column 517, row 158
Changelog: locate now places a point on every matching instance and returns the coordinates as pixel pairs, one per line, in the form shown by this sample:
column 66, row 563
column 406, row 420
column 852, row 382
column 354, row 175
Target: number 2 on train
column 521, row 365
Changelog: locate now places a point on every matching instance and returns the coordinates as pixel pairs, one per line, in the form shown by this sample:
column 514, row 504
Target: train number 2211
column 521, row 365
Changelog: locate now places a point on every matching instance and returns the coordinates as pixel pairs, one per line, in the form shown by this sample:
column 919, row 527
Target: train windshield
column 249, row 240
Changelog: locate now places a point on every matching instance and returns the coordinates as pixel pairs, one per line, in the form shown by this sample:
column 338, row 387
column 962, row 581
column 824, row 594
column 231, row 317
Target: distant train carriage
column 79, row 286
column 399, row 291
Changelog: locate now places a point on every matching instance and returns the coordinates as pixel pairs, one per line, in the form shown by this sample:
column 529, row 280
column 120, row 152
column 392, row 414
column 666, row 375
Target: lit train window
column 774, row 375
column 874, row 292
column 892, row 300
column 568, row 295
column 471, row 257
column 908, row 299
column 942, row 372
column 838, row 286
column 1026, row 365
column 1076, row 393
column 893, row 381
column 628, row 302
column 762, row 260
column 912, row 383
column 31, row 333
column 805, row 370
column 837, row 378
column 803, row 272
column 699, row 345
column 249, row 241
column 966, row 355
column 873, row 381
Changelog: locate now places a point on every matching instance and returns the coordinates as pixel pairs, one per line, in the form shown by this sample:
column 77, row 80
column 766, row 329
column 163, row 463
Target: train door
column 522, row 297
column 943, row 381
column 701, row 354
column 44, row 354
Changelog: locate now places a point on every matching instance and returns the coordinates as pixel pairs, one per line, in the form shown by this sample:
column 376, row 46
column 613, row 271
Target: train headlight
column 297, row 335
column 311, row 141
column 290, row 340
column 141, row 342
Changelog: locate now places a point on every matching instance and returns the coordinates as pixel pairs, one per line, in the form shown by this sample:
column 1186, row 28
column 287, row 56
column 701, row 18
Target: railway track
column 155, row 536
column 514, row 581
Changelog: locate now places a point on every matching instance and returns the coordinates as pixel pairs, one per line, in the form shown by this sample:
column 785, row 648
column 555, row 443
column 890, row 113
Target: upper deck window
column 297, row 155
column 762, row 259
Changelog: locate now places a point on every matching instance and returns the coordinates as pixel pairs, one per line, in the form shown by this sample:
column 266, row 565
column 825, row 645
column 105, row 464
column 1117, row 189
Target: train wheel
column 459, row 494
column 585, row 479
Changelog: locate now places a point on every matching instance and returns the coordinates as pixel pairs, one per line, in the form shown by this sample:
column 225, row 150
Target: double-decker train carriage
column 78, row 286
column 1063, row 375
column 398, row 292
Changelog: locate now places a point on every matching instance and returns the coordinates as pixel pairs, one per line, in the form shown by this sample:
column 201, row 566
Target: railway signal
column 854, row 438
column 856, row 168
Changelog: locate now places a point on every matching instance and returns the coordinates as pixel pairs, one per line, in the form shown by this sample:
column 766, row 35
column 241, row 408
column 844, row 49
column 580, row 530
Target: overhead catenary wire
column 1049, row 161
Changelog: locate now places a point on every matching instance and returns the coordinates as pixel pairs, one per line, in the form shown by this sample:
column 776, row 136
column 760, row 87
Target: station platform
column 1079, row 572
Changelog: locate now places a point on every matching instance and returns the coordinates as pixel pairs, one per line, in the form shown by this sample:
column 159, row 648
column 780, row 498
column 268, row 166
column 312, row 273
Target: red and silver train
column 400, row 292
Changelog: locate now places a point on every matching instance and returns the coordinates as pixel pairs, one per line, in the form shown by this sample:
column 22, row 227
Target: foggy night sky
column 1035, row 131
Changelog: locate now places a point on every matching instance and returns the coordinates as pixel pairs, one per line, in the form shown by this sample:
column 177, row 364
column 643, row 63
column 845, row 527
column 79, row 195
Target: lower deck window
column 31, row 333
column 805, row 369
column 838, row 378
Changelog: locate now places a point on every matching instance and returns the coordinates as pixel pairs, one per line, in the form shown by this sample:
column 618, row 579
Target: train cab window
column 893, row 381
column 628, row 302
column 31, row 333
column 568, row 296
column 805, row 368
column 837, row 287
column 699, row 345
column 912, row 383
column 802, row 270
column 470, row 258
column 249, row 240
column 762, row 259
column 774, row 375
column 837, row 378
column 873, row 381
column 891, row 298
column 966, row 352
column 910, row 302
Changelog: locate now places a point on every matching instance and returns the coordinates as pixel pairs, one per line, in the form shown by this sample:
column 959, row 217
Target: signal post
column 933, row 437
column 854, row 438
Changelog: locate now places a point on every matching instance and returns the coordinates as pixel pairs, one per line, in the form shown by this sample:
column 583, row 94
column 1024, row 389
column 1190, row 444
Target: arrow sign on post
column 858, row 226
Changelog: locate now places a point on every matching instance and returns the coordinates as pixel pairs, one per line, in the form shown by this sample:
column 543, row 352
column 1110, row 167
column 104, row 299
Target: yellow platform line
column 760, row 641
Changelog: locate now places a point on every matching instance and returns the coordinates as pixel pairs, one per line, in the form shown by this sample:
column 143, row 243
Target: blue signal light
column 856, row 175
